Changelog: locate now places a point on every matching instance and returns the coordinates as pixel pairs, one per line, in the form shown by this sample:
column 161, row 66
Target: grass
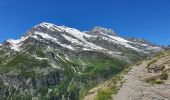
column 40, row 53
column 158, row 79
column 22, row 61
column 111, row 88
column 154, row 80
column 106, row 94
column 151, row 62
column 1, row 52
column 102, row 68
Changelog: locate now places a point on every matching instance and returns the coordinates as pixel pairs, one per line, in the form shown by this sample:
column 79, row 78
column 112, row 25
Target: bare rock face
column 100, row 31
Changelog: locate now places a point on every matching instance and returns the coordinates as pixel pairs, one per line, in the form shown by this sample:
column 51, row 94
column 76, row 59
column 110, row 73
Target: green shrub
column 106, row 94
column 150, row 63
column 159, row 79
column 164, row 75
column 152, row 80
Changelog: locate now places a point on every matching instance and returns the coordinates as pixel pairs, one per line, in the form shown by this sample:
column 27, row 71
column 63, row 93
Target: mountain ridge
column 54, row 62
column 97, row 30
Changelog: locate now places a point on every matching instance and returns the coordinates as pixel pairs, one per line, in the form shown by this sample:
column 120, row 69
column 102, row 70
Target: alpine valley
column 51, row 62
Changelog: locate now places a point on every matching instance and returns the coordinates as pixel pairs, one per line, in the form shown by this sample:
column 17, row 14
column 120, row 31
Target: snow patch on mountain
column 76, row 33
column 87, row 45
column 56, row 67
column 119, row 41
column 50, row 38
column 74, row 69
column 81, row 39
column 39, row 58
column 73, row 32
column 50, row 26
column 154, row 48
column 16, row 44
column 61, row 58
column 72, row 40
column 106, row 34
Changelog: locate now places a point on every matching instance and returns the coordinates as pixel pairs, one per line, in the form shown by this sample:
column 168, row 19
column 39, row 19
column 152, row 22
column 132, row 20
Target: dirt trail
column 135, row 88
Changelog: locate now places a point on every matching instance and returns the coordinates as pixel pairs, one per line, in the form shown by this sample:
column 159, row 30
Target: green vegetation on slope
column 75, row 78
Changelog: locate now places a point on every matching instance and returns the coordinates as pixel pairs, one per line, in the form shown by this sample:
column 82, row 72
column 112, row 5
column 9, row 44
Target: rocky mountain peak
column 107, row 31
column 99, row 38
column 53, row 27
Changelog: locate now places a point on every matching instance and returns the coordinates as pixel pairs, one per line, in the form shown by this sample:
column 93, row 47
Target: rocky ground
column 135, row 88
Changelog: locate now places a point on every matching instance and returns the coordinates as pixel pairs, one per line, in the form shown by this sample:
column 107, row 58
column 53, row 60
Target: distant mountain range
column 53, row 62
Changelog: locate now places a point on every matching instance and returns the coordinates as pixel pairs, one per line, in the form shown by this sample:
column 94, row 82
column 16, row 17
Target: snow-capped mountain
column 53, row 62
column 73, row 39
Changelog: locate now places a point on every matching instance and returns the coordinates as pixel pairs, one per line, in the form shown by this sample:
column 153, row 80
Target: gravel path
column 135, row 89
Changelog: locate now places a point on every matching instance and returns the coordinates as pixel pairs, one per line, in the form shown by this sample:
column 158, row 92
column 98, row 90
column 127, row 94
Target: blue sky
column 148, row 19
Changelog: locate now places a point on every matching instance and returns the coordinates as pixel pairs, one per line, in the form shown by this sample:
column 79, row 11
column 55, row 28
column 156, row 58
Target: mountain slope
column 148, row 81
column 57, row 62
